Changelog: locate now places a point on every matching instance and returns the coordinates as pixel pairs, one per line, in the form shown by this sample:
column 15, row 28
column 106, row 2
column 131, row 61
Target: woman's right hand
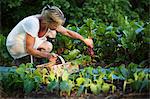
column 88, row 42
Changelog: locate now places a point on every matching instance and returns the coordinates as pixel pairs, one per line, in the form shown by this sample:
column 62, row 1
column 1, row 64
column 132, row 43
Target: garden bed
column 47, row 95
column 113, row 82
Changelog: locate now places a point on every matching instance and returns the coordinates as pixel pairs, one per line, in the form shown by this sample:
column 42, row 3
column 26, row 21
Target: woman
column 29, row 35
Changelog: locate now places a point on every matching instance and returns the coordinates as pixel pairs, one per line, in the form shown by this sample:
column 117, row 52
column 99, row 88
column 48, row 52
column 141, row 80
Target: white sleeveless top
column 16, row 39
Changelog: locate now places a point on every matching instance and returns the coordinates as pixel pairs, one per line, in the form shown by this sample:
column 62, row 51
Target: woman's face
column 53, row 25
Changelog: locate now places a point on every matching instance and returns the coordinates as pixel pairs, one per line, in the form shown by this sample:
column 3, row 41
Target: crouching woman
column 29, row 36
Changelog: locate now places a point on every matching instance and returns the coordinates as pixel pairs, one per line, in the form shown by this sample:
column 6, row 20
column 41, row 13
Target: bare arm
column 29, row 48
column 69, row 33
column 75, row 35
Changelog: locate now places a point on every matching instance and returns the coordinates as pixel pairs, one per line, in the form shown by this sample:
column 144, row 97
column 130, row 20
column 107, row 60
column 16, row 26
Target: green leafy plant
column 95, row 80
column 5, row 57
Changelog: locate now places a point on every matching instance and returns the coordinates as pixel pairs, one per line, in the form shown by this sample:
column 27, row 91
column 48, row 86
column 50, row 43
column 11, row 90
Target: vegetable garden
column 116, row 67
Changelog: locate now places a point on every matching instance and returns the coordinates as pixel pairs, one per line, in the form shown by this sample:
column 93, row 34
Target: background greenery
column 120, row 28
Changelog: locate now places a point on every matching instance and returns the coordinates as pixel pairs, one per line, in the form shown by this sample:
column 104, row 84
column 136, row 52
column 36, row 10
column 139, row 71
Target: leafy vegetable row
column 88, row 80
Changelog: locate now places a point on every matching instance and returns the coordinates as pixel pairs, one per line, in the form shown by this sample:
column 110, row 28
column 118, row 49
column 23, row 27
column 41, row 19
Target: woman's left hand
column 88, row 42
column 53, row 57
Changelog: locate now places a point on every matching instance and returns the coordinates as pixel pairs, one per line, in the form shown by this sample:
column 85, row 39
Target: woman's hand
column 88, row 42
column 53, row 57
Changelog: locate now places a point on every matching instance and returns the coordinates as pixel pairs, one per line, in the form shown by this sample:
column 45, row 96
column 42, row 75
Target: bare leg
column 46, row 46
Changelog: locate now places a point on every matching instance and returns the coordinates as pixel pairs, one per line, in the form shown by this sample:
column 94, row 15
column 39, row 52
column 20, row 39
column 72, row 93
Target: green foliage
column 94, row 88
column 5, row 57
column 76, row 11
column 146, row 37
column 95, row 80
column 105, row 87
column 87, row 29
column 53, row 85
column 72, row 54
column 130, row 30
column 142, row 6
column 66, row 86
column 122, row 43
column 28, row 85
column 13, row 3
column 119, row 37
column 24, row 77
column 140, row 80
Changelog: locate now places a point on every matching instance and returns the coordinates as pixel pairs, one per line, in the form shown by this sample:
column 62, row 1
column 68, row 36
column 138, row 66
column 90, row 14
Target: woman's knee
column 47, row 46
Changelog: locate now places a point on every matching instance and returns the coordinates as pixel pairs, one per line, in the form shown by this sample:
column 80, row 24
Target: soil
column 47, row 95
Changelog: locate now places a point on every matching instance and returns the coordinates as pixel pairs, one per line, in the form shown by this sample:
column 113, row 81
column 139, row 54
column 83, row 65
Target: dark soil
column 47, row 95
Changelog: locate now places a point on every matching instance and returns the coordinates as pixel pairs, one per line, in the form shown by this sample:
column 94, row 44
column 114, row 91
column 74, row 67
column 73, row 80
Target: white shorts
column 18, row 49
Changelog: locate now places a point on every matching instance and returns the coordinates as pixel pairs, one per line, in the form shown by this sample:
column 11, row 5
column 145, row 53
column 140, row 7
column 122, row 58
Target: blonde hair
column 53, row 14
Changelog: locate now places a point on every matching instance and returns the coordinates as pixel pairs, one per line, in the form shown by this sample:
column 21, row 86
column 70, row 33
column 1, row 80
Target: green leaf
column 145, row 85
column 44, row 71
column 135, row 76
column 136, row 85
column 29, row 65
column 20, row 70
column 65, row 86
column 65, row 76
column 22, row 66
column 132, row 67
column 100, row 81
column 94, row 88
column 112, row 34
column 37, row 79
column 87, row 82
column 74, row 53
column 37, row 72
column 101, row 28
column 105, row 87
column 90, row 23
column 90, row 70
column 146, row 39
column 109, row 28
column 80, row 81
column 124, row 44
column 113, row 88
column 80, row 90
column 52, row 76
column 52, row 85
column 141, row 75
column 28, row 85
column 139, row 30
column 123, row 71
